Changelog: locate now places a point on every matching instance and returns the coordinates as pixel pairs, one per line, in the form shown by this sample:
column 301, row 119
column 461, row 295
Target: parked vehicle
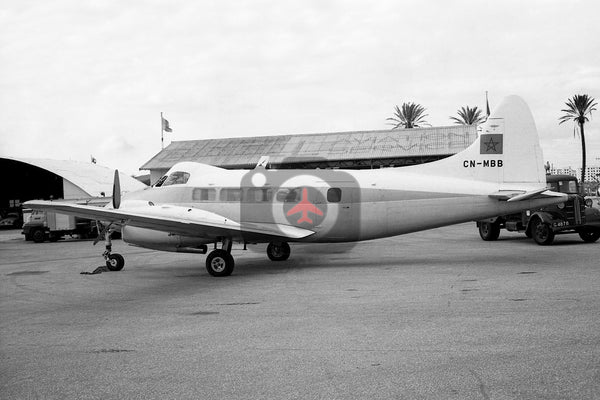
column 11, row 221
column 50, row 226
column 576, row 215
column 40, row 226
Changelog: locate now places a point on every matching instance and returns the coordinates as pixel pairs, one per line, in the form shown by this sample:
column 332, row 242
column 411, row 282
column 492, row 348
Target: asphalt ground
column 432, row 315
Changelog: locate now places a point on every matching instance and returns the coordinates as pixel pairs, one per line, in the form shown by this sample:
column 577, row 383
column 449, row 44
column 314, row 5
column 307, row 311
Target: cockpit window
column 176, row 178
column 160, row 181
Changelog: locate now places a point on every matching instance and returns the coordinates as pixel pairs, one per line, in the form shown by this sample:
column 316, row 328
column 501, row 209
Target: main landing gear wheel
column 489, row 230
column 219, row 263
column 278, row 251
column 542, row 233
column 115, row 262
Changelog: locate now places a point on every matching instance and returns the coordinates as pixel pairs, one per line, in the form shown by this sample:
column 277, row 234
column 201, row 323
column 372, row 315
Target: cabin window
column 288, row 195
column 334, row 195
column 204, row 194
column 230, row 195
column 258, row 195
column 176, row 178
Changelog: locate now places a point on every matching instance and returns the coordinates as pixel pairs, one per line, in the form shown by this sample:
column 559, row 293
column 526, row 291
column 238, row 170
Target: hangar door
column 27, row 182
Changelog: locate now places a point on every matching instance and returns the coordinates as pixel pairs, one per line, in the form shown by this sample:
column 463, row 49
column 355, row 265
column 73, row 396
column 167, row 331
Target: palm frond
column 410, row 115
column 469, row 116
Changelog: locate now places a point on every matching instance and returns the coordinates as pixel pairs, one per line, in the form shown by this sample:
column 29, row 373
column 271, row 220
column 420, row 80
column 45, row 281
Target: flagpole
column 162, row 132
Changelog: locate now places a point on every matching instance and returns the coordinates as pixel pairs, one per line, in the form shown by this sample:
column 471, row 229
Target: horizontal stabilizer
column 520, row 195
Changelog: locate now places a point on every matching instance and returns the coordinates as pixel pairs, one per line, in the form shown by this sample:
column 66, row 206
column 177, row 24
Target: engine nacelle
column 164, row 241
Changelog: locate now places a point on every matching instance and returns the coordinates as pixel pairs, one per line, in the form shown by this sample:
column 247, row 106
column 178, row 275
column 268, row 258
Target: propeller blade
column 116, row 197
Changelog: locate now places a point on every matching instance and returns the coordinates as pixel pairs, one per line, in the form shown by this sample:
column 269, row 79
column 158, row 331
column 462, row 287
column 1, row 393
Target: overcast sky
column 91, row 77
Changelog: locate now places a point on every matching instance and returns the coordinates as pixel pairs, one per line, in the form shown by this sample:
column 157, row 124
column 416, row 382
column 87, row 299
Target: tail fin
column 506, row 151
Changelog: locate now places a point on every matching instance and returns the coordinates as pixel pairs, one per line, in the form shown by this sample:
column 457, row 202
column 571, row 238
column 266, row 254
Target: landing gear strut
column 220, row 262
column 114, row 262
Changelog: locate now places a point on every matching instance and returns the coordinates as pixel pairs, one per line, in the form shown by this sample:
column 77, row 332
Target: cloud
column 76, row 74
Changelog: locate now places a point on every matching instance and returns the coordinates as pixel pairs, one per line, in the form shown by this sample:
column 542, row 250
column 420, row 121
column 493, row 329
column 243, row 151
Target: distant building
column 592, row 172
column 350, row 150
column 563, row 171
column 30, row 179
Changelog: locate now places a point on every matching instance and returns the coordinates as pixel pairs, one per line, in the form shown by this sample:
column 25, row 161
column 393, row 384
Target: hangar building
column 351, row 150
column 30, row 179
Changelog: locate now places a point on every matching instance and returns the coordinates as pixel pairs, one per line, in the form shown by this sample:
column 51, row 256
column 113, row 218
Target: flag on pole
column 92, row 159
column 165, row 125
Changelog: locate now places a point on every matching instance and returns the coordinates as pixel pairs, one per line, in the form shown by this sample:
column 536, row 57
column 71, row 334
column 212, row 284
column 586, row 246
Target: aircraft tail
column 507, row 151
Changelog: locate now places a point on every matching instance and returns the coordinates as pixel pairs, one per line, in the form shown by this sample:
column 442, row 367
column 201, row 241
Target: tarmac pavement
column 438, row 314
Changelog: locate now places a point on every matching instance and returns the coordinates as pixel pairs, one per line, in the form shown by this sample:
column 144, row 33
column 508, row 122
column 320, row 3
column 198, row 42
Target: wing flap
column 175, row 219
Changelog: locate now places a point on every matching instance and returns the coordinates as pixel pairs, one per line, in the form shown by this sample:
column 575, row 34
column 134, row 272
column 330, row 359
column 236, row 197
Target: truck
column 41, row 226
column 576, row 215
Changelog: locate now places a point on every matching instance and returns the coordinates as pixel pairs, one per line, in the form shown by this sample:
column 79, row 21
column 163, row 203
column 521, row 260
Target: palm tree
column 411, row 115
column 469, row 116
column 578, row 109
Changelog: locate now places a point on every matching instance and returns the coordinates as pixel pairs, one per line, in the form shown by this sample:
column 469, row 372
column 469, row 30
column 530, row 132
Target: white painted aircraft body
column 194, row 205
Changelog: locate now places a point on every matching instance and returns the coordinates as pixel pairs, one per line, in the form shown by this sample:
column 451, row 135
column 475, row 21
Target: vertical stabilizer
column 507, row 150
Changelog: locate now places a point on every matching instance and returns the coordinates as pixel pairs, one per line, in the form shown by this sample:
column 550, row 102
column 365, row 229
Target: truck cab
column 576, row 215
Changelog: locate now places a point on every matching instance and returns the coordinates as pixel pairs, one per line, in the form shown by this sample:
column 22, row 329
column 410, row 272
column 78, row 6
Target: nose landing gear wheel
column 115, row 262
column 219, row 263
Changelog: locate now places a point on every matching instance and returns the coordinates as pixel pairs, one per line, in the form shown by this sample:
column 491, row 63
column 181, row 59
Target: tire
column 589, row 235
column 115, row 262
column 542, row 233
column 38, row 236
column 278, row 251
column 489, row 231
column 219, row 263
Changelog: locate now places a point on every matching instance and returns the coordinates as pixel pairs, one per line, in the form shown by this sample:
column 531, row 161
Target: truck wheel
column 115, row 262
column 589, row 235
column 489, row 231
column 542, row 233
column 38, row 236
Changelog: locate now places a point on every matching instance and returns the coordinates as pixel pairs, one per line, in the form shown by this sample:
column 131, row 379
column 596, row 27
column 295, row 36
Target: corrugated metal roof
column 91, row 178
column 246, row 151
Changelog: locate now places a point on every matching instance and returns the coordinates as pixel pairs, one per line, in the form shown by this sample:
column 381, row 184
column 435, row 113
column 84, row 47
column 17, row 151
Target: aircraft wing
column 520, row 195
column 177, row 220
